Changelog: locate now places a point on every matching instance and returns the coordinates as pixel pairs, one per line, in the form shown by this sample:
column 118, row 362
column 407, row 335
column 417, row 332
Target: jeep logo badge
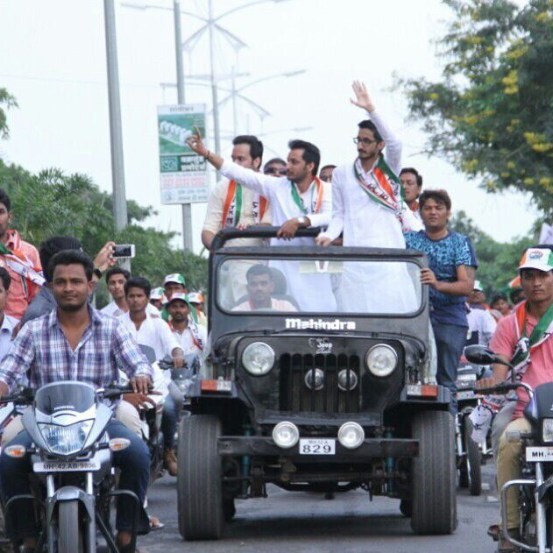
column 320, row 345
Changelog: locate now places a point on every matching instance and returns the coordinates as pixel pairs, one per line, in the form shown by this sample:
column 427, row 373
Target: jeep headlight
column 258, row 358
column 381, row 360
column 66, row 440
column 547, row 431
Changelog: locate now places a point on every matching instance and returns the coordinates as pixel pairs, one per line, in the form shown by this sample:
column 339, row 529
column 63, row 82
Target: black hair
column 516, row 295
column 413, row 171
column 439, row 196
column 256, row 146
column 117, row 271
column 51, row 246
column 258, row 270
column 6, row 278
column 369, row 125
column 72, row 257
column 311, row 154
column 498, row 297
column 138, row 282
column 274, row 160
column 5, row 199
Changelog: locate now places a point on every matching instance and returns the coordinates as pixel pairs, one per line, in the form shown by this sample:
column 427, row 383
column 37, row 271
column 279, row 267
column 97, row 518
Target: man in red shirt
column 21, row 260
column 523, row 339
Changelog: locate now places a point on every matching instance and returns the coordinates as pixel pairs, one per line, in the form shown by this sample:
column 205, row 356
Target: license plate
column 536, row 454
column 317, row 446
column 66, row 466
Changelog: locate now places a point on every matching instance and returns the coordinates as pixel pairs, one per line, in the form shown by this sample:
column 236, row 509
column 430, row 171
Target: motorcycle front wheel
column 70, row 536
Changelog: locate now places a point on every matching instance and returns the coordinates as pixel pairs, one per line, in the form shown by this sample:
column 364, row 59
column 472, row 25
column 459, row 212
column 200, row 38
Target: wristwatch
column 98, row 273
column 302, row 220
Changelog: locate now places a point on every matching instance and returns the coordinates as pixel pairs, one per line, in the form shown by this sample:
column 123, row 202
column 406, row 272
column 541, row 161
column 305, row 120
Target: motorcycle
column 71, row 459
column 182, row 379
column 536, row 483
column 468, row 452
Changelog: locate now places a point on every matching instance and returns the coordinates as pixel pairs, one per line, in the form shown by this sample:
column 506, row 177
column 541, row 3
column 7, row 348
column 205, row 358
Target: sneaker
column 170, row 461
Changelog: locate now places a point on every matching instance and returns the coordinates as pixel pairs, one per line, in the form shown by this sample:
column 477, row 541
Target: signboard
column 183, row 173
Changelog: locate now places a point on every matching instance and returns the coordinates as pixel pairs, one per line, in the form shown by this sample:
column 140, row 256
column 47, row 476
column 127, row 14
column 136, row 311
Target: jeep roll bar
column 260, row 231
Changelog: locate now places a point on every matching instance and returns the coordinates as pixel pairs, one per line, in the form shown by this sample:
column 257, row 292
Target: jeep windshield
column 320, row 285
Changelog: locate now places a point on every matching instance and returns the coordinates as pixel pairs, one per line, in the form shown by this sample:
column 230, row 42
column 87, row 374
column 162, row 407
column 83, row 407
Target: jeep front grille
column 297, row 396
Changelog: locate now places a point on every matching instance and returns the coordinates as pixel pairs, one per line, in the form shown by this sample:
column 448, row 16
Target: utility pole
column 116, row 134
column 186, row 208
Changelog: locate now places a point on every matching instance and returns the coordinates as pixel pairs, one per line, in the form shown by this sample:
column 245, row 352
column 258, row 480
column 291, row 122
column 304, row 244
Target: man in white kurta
column 366, row 223
column 298, row 200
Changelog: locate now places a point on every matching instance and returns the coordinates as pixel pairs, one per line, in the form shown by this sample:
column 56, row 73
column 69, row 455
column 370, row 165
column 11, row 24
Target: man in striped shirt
column 75, row 342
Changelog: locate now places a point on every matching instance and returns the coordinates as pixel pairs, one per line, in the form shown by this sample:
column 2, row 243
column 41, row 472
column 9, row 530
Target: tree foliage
column 491, row 114
column 497, row 262
column 6, row 101
column 52, row 203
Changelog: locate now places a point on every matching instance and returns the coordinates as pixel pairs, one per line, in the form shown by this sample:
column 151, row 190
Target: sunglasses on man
column 277, row 171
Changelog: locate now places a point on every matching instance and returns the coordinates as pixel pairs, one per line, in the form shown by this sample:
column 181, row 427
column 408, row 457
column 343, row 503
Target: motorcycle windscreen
column 62, row 396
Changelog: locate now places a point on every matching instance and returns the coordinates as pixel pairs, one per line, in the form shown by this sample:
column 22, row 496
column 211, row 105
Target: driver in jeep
column 261, row 287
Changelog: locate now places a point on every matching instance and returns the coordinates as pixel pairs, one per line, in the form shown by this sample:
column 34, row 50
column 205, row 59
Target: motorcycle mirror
column 479, row 355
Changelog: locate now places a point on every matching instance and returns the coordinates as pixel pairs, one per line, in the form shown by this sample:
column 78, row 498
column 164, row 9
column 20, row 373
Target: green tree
column 51, row 203
column 491, row 114
column 497, row 262
column 6, row 101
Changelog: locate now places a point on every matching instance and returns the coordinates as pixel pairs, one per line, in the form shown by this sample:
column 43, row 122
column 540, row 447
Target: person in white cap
column 157, row 297
column 480, row 320
column 173, row 283
column 196, row 300
column 524, row 340
column 192, row 337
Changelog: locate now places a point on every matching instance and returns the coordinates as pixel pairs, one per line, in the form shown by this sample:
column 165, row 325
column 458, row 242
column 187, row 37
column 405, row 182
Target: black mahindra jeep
column 330, row 401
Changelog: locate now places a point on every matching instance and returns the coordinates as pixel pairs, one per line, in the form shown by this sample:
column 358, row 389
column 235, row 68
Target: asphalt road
column 307, row 523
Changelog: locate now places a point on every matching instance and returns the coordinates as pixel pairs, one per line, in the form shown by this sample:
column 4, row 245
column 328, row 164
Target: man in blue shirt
column 450, row 277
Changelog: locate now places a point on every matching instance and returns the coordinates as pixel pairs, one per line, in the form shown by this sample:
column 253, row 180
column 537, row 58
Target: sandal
column 493, row 531
column 155, row 523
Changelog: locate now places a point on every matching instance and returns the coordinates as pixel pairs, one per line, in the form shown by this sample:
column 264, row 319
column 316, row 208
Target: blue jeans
column 134, row 462
column 169, row 421
column 450, row 341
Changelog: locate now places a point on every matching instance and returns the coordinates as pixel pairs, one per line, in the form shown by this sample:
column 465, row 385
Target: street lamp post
column 187, row 207
column 116, row 133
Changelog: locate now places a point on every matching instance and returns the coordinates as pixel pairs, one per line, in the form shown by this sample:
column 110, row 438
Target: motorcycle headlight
column 381, row 360
column 547, row 431
column 258, row 358
column 66, row 440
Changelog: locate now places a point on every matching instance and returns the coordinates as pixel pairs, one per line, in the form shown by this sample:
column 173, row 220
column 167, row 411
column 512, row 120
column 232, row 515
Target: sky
column 54, row 62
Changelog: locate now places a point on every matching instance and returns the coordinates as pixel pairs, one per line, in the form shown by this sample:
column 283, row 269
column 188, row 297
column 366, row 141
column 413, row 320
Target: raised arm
column 393, row 144
column 260, row 183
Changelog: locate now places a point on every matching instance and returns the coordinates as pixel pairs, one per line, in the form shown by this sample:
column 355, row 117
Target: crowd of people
column 50, row 330
column 376, row 202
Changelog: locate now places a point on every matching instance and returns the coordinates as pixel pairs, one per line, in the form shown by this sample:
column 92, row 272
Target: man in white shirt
column 148, row 331
column 260, row 292
column 411, row 182
column 191, row 337
column 155, row 333
column 481, row 323
column 299, row 200
column 116, row 277
column 368, row 209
